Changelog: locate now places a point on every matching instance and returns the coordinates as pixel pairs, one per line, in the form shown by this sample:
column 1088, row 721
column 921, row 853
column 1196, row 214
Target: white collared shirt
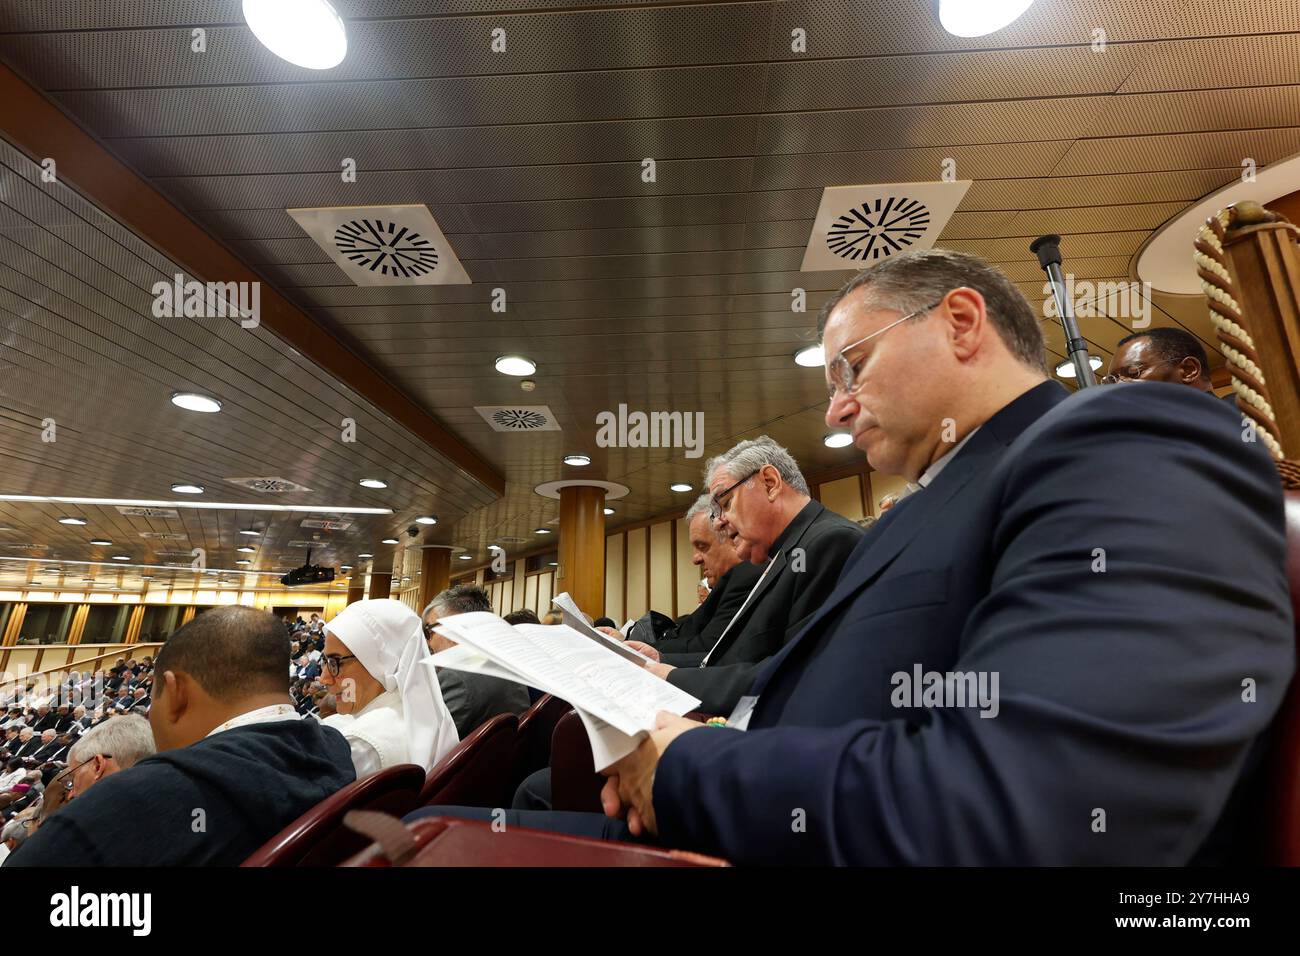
column 940, row 464
column 263, row 715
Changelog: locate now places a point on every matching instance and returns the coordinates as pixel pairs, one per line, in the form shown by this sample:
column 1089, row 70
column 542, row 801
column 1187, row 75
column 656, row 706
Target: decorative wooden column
column 435, row 571
column 78, row 623
column 356, row 587
column 381, row 582
column 188, row 615
column 133, row 624
column 15, row 625
column 582, row 547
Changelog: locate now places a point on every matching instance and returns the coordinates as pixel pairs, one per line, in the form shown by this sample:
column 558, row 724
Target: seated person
column 472, row 698
column 235, row 763
column 107, row 749
column 390, row 707
column 1024, row 663
column 760, row 503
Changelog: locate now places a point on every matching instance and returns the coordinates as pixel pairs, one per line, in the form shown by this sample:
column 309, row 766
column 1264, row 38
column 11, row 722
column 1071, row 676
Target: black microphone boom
column 1048, row 250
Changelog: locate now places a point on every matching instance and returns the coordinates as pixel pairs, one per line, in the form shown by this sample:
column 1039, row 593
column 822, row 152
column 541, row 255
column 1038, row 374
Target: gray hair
column 703, row 504
column 460, row 599
column 917, row 280
column 127, row 739
column 751, row 455
column 14, row 830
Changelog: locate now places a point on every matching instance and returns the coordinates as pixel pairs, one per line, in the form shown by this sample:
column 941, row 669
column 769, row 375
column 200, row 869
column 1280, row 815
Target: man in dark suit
column 761, row 504
column 730, row 581
column 1065, row 648
column 1120, row 661
column 49, row 746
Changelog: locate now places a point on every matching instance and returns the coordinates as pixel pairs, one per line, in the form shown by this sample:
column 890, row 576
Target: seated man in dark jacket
column 235, row 762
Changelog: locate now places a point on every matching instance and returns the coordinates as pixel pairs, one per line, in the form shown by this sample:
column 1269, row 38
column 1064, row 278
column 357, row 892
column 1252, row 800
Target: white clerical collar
column 940, row 464
column 263, row 715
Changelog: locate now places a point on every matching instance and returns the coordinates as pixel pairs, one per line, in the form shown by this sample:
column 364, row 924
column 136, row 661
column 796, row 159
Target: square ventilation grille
column 384, row 245
column 268, row 486
column 860, row 225
column 139, row 511
column 518, row 418
column 327, row 524
column 164, row 536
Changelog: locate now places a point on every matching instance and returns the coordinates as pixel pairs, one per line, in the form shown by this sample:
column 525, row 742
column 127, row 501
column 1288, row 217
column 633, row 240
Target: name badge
column 739, row 719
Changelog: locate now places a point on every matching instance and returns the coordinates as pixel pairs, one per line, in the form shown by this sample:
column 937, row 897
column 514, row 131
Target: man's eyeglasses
column 844, row 374
column 332, row 662
column 720, row 503
column 67, row 774
column 1131, row 373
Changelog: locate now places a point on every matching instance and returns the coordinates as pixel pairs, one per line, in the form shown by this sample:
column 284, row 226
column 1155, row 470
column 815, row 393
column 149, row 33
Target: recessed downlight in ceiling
column 577, row 461
column 977, row 18
column 69, row 519
column 811, row 356
column 307, row 33
column 1066, row 369
column 680, row 487
column 838, row 440
column 390, row 541
column 100, row 541
column 194, row 402
column 859, row 225
column 515, row 365
column 372, row 483
column 186, row 489
column 384, row 245
column 426, row 519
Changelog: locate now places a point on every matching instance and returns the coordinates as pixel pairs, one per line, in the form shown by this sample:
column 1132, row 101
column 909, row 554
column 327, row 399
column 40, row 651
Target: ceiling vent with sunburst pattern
column 268, row 486
column 860, row 225
column 518, row 418
column 384, row 245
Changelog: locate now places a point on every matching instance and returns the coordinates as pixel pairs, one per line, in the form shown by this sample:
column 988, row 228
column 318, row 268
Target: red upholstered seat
column 1283, row 842
column 318, row 837
column 574, row 783
column 477, row 772
column 447, row 842
column 536, row 725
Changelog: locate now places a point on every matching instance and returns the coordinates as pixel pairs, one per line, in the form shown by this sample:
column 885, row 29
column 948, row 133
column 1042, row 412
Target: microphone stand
column 1048, row 250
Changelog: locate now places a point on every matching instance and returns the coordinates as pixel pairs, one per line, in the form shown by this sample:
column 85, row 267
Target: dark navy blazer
column 1116, row 558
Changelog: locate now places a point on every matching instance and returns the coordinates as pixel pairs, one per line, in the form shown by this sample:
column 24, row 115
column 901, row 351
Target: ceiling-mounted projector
column 308, row 574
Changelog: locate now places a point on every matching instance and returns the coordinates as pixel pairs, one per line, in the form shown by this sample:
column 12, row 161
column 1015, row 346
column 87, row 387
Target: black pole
column 1048, row 250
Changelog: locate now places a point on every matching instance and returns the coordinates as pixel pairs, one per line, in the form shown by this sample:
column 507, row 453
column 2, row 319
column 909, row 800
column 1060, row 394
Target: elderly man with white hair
column 390, row 707
column 105, row 749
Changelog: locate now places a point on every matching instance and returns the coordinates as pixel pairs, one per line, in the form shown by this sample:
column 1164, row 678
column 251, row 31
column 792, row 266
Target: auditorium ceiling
column 666, row 295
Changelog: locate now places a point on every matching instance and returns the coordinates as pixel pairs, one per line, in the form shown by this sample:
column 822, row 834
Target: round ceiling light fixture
column 1066, row 369
column 251, row 532
column 187, row 489
column 373, row 483
column 577, row 460
column 810, row 357
column 194, row 402
column 390, row 541
column 977, row 18
column 680, row 486
column 426, row 519
column 307, row 33
column 515, row 365
column 69, row 519
column 838, row 440
column 100, row 541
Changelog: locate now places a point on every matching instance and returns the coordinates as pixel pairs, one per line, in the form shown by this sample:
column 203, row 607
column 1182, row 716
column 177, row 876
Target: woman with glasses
column 390, row 706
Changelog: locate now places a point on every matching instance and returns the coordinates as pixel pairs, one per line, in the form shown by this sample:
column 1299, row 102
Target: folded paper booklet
column 574, row 618
column 616, row 699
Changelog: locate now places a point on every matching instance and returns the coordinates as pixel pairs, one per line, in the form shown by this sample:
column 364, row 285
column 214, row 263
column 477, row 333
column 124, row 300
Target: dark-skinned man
column 1163, row 355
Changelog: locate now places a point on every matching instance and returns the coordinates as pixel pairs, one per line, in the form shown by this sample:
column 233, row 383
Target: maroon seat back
column 476, row 773
column 536, row 725
column 318, row 837
column 1283, row 839
column 574, row 784
column 442, row 841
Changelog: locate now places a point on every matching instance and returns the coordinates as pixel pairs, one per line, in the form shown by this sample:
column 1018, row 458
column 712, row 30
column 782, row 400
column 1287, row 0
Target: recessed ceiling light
column 838, row 440
column 1066, row 369
column 49, row 570
column 251, row 532
column 68, row 519
column 810, row 357
column 345, row 567
column 577, row 460
column 464, row 557
column 146, row 577
column 542, row 531
column 243, row 561
column 553, row 564
column 100, row 541
column 305, row 32
column 680, row 486
column 188, row 489
column 390, row 541
column 246, row 549
column 609, row 511
column 426, row 519
column 194, row 402
column 515, row 365
column 367, row 554
column 121, row 557
column 494, row 547
column 976, row 18
column 373, row 483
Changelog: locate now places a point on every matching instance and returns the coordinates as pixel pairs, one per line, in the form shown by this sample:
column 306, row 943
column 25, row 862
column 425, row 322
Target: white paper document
column 574, row 618
column 616, row 698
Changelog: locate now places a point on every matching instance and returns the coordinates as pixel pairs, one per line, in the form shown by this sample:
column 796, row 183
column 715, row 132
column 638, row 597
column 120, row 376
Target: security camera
column 413, row 531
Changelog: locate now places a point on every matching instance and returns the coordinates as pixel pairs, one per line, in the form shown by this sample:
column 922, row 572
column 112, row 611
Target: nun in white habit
column 390, row 707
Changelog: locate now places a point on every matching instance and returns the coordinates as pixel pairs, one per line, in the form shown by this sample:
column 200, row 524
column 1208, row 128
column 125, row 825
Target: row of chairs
column 483, row 770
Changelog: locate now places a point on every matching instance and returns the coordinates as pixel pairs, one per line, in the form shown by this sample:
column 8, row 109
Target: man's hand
column 613, row 632
column 646, row 649
column 631, row 780
column 659, row 670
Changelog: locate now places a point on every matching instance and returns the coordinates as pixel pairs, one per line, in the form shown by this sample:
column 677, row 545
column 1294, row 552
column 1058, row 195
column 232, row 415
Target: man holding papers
column 1135, row 656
